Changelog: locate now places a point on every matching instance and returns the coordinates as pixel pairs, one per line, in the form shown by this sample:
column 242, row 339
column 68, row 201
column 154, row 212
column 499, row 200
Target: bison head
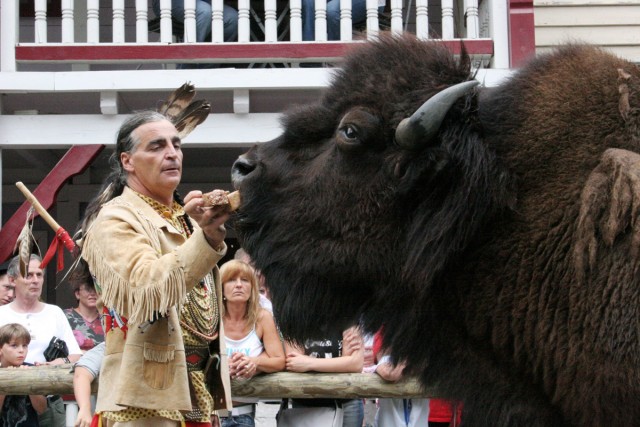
column 349, row 214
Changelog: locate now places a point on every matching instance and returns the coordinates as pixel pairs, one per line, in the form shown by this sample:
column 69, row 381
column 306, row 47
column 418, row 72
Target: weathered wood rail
column 59, row 380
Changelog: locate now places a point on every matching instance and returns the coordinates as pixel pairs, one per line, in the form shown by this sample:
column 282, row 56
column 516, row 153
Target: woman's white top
column 249, row 345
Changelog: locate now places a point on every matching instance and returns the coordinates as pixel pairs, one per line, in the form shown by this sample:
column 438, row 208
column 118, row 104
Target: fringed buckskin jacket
column 144, row 267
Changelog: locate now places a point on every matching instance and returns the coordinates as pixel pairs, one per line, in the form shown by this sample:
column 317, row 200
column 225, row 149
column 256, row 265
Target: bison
column 493, row 232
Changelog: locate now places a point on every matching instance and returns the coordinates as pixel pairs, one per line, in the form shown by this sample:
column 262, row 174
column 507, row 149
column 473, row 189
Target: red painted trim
column 74, row 162
column 522, row 32
column 229, row 52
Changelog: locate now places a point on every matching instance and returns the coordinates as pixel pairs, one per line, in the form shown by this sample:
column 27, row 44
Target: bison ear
column 609, row 215
column 411, row 170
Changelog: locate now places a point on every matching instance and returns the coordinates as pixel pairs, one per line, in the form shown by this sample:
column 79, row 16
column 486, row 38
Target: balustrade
column 276, row 23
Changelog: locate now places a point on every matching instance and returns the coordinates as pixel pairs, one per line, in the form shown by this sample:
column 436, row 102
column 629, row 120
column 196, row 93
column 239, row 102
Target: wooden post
column 59, row 380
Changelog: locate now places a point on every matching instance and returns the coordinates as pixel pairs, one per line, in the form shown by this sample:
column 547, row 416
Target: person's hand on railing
column 352, row 340
column 241, row 366
column 389, row 371
column 297, row 362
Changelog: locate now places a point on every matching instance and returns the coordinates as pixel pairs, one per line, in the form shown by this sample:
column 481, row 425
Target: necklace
column 199, row 313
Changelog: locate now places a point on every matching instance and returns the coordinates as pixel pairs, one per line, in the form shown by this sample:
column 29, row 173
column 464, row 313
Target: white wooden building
column 612, row 24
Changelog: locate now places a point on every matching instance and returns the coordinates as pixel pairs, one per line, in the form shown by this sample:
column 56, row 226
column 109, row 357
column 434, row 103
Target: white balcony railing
column 99, row 32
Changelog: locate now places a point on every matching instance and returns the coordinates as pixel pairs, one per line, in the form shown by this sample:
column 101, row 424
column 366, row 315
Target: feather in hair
column 177, row 101
column 183, row 112
column 196, row 113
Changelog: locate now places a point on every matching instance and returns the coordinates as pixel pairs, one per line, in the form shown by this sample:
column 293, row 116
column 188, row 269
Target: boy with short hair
column 18, row 411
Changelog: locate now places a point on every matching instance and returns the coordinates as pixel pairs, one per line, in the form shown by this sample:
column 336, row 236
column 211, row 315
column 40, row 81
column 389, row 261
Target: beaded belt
column 196, row 357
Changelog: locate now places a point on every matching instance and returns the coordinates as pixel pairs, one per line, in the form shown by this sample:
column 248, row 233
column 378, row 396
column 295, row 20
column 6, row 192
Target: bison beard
column 500, row 252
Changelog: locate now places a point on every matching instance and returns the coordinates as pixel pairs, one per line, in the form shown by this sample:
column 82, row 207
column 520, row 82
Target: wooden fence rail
column 59, row 380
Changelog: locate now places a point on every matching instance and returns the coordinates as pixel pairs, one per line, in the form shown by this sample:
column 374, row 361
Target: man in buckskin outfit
column 154, row 262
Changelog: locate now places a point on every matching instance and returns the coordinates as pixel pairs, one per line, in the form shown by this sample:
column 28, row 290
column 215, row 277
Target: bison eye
column 357, row 130
column 350, row 132
column 348, row 137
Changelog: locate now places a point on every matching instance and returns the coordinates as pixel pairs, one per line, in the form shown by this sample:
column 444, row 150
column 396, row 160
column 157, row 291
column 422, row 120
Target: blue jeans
column 245, row 420
column 203, row 19
column 358, row 16
column 353, row 411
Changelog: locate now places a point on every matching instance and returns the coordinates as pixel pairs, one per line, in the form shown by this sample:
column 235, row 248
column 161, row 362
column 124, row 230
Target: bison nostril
column 241, row 168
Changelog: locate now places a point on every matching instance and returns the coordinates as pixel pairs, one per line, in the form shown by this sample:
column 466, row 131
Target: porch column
column 499, row 32
column 9, row 25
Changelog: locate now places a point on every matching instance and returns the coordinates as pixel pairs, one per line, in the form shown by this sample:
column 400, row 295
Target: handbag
column 56, row 349
column 309, row 416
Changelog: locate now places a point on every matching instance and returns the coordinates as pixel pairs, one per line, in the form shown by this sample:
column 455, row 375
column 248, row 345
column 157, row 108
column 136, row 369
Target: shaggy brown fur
column 502, row 256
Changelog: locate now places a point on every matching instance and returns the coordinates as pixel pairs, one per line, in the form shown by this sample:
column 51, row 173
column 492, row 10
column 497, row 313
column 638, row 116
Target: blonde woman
column 252, row 340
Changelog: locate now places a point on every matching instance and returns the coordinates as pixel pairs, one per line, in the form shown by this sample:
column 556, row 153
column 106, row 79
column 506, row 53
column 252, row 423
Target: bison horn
column 425, row 122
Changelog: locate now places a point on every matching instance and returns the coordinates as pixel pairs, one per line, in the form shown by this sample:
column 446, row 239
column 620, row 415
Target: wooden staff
column 62, row 237
column 37, row 206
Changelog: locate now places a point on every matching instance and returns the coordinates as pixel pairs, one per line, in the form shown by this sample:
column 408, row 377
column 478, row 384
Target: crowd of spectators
column 253, row 346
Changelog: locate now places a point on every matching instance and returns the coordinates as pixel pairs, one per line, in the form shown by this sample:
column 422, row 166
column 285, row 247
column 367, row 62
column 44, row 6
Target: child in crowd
column 18, row 411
